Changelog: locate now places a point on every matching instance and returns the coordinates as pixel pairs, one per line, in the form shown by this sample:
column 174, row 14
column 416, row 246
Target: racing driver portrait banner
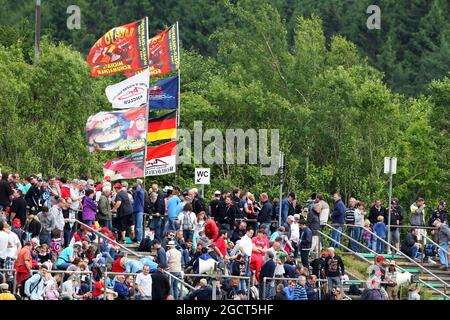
column 117, row 130
column 121, row 49
column 128, row 167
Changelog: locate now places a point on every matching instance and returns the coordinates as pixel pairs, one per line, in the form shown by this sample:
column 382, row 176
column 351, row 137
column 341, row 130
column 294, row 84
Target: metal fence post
column 104, row 292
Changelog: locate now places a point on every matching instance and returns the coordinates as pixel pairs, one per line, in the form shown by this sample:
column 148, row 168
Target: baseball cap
column 217, row 192
column 324, row 254
column 171, row 243
column 108, row 178
column 4, row 286
column 16, row 223
column 117, row 185
column 380, row 259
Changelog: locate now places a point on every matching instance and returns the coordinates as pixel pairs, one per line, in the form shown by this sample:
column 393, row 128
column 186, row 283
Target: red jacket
column 211, row 230
column 116, row 267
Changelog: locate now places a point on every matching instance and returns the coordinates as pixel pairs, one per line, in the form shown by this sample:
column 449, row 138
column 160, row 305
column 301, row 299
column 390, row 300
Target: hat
column 292, row 195
column 117, row 185
column 380, row 259
column 324, row 254
column 16, row 223
column 392, row 263
column 99, row 187
column 217, row 192
column 35, row 242
column 171, row 243
column 108, row 178
column 4, row 286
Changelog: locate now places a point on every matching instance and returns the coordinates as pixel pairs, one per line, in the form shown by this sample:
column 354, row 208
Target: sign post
column 202, row 176
column 390, row 167
column 281, row 168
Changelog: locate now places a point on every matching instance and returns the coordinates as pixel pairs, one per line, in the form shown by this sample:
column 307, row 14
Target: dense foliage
column 309, row 68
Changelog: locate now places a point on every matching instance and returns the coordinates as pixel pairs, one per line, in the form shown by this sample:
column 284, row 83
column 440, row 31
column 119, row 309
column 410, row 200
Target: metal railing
column 215, row 276
column 107, row 238
column 402, row 254
column 129, row 251
column 319, row 281
column 6, row 271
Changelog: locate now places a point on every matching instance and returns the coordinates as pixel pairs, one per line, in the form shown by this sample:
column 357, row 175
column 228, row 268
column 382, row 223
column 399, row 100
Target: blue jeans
column 368, row 243
column 63, row 266
column 139, row 223
column 357, row 234
column 443, row 257
column 415, row 254
column 380, row 246
column 105, row 223
column 175, row 285
column 336, row 236
column 45, row 238
column 170, row 225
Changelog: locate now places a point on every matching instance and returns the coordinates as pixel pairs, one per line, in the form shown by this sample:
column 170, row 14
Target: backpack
column 145, row 245
column 187, row 223
column 22, row 286
column 254, row 293
column 430, row 250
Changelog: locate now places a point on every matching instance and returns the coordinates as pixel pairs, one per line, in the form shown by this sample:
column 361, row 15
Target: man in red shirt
column 211, row 229
column 260, row 245
column 220, row 246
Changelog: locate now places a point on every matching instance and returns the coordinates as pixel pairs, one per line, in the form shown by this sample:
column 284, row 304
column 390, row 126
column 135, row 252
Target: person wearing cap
column 444, row 243
column 377, row 268
column 391, row 278
column 5, row 294
column 174, row 267
column 439, row 213
column 287, row 207
column 216, row 205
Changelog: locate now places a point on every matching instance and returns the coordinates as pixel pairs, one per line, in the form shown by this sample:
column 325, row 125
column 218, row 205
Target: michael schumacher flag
column 121, row 49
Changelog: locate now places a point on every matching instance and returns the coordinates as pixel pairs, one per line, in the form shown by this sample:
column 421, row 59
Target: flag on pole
column 117, row 130
column 161, row 159
column 162, row 128
column 128, row 167
column 131, row 92
column 163, row 53
column 164, row 94
column 121, row 49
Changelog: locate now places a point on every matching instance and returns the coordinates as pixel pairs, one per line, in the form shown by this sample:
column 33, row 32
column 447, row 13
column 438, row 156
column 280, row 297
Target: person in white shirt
column 4, row 240
column 246, row 247
column 12, row 250
column 56, row 211
column 144, row 283
column 294, row 236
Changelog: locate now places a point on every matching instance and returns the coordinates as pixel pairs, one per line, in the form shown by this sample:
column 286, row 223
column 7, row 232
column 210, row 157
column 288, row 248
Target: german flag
column 162, row 128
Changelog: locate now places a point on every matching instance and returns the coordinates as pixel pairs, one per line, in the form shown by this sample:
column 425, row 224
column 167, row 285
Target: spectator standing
column 338, row 219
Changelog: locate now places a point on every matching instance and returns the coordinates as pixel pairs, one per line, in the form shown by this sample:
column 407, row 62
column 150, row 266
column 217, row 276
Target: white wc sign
column 202, row 176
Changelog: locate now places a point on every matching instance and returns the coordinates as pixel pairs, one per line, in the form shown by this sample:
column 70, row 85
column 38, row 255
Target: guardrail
column 401, row 253
column 215, row 276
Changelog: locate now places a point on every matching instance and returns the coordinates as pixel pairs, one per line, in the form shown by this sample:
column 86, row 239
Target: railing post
column 104, row 292
column 214, row 287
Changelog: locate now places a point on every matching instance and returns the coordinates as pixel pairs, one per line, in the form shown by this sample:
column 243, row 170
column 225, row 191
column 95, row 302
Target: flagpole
column 178, row 105
column 148, row 102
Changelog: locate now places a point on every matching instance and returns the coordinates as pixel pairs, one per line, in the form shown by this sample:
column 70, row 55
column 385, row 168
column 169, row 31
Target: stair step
column 387, row 256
